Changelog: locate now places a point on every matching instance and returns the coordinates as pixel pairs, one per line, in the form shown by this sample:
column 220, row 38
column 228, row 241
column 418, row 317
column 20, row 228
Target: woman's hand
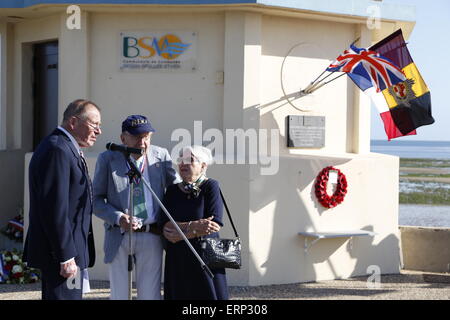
column 197, row 228
column 204, row 227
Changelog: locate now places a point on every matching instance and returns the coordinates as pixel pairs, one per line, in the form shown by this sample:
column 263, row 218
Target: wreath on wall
column 321, row 188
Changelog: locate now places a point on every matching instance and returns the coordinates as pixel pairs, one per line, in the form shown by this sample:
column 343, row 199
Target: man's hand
column 125, row 223
column 170, row 233
column 68, row 269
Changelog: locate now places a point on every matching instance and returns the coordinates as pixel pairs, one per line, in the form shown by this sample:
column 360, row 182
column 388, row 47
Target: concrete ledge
column 425, row 249
column 427, row 277
column 355, row 8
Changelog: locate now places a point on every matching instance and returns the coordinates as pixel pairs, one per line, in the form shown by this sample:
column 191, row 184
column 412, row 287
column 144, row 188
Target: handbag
column 222, row 253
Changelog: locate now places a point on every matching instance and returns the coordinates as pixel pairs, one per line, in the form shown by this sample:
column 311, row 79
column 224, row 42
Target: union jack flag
column 367, row 68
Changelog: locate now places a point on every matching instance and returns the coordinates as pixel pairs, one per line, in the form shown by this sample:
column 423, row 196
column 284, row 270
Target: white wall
column 15, row 106
column 285, row 204
column 269, row 210
column 170, row 100
column 312, row 45
column 25, row 34
column 73, row 62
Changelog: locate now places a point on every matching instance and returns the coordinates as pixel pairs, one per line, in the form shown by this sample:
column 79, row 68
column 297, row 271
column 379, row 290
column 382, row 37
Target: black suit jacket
column 60, row 217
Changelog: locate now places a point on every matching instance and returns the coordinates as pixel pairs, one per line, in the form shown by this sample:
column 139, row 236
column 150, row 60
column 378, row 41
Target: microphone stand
column 132, row 174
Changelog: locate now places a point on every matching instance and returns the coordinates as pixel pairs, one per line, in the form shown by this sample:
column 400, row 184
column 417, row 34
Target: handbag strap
column 228, row 212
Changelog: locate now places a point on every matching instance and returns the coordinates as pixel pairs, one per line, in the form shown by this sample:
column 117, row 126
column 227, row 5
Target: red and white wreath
column 321, row 188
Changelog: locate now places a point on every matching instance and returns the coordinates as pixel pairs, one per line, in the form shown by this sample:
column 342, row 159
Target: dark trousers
column 55, row 287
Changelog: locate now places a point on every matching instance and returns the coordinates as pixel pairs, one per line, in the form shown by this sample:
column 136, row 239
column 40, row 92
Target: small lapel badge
column 157, row 165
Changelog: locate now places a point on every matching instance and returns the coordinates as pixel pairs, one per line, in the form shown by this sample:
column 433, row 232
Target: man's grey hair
column 77, row 108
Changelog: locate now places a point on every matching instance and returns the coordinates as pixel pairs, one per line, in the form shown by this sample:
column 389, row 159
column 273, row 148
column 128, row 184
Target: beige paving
column 409, row 285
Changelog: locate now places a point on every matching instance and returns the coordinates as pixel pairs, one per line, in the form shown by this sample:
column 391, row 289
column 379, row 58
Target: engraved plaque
column 306, row 131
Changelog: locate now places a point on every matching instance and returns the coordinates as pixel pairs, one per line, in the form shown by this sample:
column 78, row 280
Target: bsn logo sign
column 168, row 47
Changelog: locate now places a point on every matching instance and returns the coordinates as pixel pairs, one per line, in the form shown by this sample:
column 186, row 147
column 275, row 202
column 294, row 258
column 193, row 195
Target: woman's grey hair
column 77, row 108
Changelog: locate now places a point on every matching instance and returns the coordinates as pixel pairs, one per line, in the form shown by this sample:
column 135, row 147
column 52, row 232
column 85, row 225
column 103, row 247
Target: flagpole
column 319, row 76
column 356, row 40
column 320, row 85
column 313, row 83
column 312, row 87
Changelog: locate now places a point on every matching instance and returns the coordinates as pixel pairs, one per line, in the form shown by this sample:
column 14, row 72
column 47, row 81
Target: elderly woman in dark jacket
column 195, row 204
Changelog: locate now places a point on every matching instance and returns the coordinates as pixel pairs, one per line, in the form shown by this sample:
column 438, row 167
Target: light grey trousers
column 148, row 251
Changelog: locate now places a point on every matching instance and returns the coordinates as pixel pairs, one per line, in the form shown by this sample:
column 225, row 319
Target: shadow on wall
column 322, row 44
column 373, row 262
column 290, row 214
column 286, row 202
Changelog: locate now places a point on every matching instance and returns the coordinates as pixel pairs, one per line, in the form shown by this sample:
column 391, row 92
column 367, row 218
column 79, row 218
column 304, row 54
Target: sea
column 412, row 149
column 413, row 214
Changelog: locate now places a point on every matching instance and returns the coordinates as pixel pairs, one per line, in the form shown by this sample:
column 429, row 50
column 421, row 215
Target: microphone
column 124, row 149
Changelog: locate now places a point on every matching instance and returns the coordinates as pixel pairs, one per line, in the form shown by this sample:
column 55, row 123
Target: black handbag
column 222, row 253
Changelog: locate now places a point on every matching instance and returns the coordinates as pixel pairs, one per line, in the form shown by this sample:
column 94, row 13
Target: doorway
column 45, row 90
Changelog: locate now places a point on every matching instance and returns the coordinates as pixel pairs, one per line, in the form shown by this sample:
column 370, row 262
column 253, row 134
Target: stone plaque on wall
column 305, row 131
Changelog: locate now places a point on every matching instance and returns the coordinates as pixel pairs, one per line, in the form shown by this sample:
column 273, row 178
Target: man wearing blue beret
column 111, row 203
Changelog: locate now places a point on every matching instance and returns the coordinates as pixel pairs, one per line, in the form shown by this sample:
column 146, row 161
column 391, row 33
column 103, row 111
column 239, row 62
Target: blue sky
column 429, row 45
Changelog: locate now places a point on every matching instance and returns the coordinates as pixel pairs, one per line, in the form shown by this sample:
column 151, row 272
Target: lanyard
column 141, row 169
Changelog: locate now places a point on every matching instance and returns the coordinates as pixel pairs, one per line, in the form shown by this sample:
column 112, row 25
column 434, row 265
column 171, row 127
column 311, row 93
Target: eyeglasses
column 96, row 127
column 187, row 160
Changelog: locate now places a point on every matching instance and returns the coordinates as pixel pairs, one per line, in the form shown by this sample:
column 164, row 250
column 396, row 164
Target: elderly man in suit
column 59, row 239
column 111, row 204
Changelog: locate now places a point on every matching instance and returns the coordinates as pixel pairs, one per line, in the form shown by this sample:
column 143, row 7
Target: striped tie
column 140, row 209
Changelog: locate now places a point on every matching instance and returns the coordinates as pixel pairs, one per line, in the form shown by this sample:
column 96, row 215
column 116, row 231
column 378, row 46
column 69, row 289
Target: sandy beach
column 424, row 186
column 433, row 172
column 426, row 171
column 428, row 179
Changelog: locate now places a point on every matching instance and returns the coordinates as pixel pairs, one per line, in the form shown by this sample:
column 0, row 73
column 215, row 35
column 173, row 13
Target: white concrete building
column 241, row 55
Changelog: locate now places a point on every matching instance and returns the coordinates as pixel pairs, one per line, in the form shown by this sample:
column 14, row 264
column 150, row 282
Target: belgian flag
column 409, row 101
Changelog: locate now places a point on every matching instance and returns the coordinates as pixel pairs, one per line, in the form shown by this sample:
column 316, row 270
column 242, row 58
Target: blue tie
column 86, row 173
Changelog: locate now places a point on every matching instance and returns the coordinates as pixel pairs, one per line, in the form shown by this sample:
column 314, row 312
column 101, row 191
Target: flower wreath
column 14, row 270
column 14, row 229
column 321, row 188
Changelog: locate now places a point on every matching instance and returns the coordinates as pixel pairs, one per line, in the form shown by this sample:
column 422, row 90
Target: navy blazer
column 60, row 206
